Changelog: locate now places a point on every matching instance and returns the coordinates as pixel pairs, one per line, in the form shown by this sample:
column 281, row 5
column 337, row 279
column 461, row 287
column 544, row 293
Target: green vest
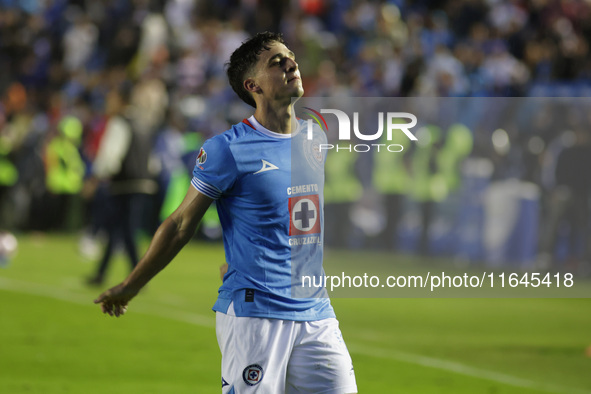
column 458, row 145
column 64, row 166
column 390, row 175
column 429, row 184
column 341, row 184
column 8, row 172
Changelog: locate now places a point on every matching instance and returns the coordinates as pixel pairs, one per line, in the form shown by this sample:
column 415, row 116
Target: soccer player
column 266, row 177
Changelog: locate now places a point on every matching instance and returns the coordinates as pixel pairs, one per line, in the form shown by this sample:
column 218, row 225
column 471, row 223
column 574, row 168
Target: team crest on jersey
column 304, row 213
column 201, row 157
column 253, row 374
column 313, row 153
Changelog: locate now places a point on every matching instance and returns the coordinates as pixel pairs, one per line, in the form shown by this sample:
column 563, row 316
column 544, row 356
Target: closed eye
column 279, row 59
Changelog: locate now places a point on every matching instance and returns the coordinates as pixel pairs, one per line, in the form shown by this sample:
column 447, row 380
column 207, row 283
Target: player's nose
column 291, row 65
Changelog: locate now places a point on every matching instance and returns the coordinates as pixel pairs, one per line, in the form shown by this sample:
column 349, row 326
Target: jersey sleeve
column 215, row 169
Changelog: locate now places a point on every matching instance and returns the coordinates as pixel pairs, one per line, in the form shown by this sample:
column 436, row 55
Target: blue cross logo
column 304, row 215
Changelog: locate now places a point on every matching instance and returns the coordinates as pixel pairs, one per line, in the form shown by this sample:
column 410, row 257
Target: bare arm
column 171, row 236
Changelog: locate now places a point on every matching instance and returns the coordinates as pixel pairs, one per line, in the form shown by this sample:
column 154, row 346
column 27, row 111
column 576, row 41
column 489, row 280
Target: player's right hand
column 223, row 270
column 114, row 301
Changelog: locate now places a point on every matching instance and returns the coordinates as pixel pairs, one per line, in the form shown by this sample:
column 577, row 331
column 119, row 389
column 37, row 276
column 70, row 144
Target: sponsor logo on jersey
column 299, row 189
column 304, row 212
column 267, row 167
column 253, row 374
column 312, row 239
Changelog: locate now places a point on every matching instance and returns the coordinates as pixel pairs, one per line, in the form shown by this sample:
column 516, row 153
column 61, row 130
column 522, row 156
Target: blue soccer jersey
column 268, row 189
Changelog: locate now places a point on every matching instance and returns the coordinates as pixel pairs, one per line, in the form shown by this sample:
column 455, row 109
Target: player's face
column 277, row 75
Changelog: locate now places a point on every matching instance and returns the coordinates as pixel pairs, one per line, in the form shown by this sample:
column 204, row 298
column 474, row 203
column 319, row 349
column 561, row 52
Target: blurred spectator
column 503, row 74
column 64, row 174
column 569, row 205
column 79, row 41
column 444, row 76
column 123, row 162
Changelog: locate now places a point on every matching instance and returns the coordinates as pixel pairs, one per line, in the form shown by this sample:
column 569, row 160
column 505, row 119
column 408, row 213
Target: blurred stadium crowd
column 161, row 65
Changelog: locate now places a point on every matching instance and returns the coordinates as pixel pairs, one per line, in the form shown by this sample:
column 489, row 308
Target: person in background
column 64, row 174
column 123, row 163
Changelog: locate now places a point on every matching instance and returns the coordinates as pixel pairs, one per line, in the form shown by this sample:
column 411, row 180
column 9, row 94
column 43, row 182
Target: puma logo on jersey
column 267, row 167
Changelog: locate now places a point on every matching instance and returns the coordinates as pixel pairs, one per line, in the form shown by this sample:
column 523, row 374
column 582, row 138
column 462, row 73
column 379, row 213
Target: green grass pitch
column 53, row 339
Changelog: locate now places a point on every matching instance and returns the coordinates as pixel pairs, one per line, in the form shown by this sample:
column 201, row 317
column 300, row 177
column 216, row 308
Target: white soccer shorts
column 270, row 356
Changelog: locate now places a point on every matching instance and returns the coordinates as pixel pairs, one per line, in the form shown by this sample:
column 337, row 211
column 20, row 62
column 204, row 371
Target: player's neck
column 280, row 120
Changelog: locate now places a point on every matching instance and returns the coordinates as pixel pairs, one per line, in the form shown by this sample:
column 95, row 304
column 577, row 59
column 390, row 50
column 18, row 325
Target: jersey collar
column 252, row 122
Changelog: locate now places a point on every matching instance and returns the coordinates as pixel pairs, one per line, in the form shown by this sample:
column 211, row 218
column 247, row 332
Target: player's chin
column 298, row 91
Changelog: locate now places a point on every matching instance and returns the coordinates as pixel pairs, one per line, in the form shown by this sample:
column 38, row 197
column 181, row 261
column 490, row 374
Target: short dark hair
column 243, row 60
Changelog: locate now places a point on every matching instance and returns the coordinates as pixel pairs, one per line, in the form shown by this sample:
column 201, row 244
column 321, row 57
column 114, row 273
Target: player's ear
column 251, row 86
